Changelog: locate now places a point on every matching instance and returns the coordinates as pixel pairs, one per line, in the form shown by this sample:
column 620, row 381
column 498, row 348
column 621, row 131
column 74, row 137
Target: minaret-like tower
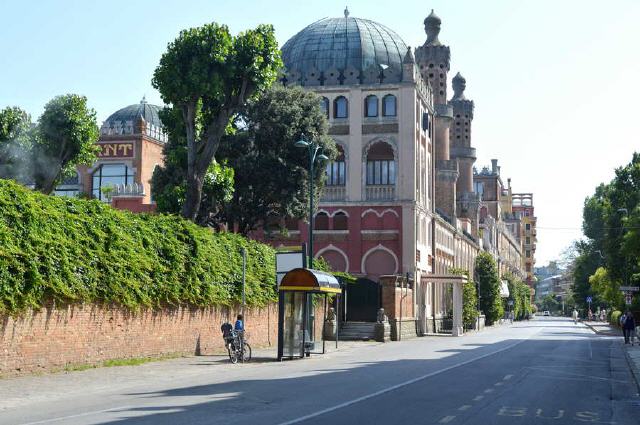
column 462, row 152
column 433, row 59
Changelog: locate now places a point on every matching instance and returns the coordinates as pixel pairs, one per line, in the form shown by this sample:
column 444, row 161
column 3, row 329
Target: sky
column 554, row 82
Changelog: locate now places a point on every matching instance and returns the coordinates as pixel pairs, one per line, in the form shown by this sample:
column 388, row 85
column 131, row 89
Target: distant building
column 523, row 203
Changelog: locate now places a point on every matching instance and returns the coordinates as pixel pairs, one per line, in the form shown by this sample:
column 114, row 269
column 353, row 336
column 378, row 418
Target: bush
column 489, row 282
column 74, row 251
column 614, row 319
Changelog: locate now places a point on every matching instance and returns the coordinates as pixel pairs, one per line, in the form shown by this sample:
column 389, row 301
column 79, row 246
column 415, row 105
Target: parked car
column 546, row 313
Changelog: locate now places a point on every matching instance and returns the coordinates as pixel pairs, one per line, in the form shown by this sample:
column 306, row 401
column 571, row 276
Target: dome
column 133, row 113
column 125, row 121
column 338, row 44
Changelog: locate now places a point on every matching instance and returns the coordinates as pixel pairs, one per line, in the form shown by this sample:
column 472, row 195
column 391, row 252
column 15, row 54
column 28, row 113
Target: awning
column 309, row 280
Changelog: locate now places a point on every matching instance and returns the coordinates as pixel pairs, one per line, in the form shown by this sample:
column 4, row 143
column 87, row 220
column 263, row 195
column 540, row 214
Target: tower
column 433, row 58
column 461, row 151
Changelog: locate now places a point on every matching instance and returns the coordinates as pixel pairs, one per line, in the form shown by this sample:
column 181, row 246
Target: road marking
column 79, row 415
column 507, row 377
column 488, row 390
column 498, row 384
column 446, row 419
column 464, row 407
column 478, row 398
column 397, row 386
column 590, row 350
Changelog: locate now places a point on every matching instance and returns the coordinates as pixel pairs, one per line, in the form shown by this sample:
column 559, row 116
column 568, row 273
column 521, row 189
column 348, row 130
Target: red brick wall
column 52, row 338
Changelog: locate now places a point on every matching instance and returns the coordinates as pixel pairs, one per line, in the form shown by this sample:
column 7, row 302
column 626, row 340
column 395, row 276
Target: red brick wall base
column 57, row 336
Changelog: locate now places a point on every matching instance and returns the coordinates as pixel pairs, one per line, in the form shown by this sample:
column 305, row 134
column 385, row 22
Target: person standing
column 629, row 328
column 574, row 314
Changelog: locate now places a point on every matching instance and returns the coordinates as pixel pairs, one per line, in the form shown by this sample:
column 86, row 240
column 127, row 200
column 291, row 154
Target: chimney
column 494, row 166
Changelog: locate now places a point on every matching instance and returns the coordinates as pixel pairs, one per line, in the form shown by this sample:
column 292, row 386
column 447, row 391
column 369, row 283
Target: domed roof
column 341, row 43
column 133, row 113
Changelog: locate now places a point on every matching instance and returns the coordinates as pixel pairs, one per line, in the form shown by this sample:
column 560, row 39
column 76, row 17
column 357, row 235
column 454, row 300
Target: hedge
column 614, row 319
column 73, row 251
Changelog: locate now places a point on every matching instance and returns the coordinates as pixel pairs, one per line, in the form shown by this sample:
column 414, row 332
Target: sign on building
column 287, row 261
column 115, row 150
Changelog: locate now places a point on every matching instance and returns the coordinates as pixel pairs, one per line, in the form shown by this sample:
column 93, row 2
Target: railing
column 380, row 192
column 443, row 325
column 334, row 193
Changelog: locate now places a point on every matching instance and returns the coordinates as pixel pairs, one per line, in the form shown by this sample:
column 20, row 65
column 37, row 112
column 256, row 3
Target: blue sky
column 554, row 82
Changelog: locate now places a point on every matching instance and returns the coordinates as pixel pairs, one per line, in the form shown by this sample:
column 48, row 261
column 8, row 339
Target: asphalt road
column 546, row 371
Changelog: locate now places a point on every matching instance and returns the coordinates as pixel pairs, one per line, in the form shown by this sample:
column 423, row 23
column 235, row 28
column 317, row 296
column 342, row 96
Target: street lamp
column 313, row 148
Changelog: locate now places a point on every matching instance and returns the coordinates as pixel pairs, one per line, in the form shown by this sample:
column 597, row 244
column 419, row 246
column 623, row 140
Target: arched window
column 321, row 221
column 371, row 106
column 340, row 221
column 381, row 166
column 389, row 106
column 107, row 176
column 340, row 107
column 336, row 172
column 324, row 105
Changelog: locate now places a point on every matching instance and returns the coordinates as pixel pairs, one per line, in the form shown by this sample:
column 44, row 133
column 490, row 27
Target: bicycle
column 237, row 347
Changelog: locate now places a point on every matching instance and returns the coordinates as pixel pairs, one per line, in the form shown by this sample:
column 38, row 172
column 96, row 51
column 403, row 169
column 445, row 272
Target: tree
column 489, row 284
column 168, row 183
column 469, row 298
column 550, row 303
column 271, row 174
column 16, row 137
column 209, row 75
column 66, row 136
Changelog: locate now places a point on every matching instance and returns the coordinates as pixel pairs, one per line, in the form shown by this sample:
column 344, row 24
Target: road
column 545, row 371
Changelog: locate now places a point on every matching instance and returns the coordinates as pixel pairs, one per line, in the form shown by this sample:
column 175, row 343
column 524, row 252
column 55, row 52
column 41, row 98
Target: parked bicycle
column 236, row 344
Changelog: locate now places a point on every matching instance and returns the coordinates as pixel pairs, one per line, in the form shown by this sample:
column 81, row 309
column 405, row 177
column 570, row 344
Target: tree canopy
column 208, row 75
column 16, row 137
column 489, row 284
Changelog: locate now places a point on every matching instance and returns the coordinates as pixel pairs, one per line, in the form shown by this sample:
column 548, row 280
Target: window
column 336, row 172
column 324, row 105
column 527, row 226
column 109, row 175
column 371, row 106
column 340, row 221
column 381, row 167
column 528, row 267
column 321, row 221
column 389, row 106
column 340, row 107
column 528, row 253
column 527, row 240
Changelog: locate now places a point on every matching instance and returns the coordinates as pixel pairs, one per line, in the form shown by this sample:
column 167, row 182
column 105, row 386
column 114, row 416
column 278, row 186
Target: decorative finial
column 144, row 99
column 459, row 83
column 432, row 28
column 408, row 57
column 346, row 12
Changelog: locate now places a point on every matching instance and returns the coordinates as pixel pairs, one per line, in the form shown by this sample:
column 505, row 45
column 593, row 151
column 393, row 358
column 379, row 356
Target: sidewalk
column 632, row 351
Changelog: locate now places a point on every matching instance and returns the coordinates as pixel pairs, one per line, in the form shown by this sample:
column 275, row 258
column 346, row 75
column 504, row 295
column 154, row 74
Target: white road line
column 79, row 415
column 395, row 387
column 464, row 407
column 446, row 419
column 590, row 350
column 507, row 377
column 478, row 398
column 488, row 390
column 498, row 384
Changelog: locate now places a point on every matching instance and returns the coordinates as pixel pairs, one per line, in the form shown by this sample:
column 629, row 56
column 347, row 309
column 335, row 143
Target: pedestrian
column 629, row 328
column 574, row 314
column 239, row 326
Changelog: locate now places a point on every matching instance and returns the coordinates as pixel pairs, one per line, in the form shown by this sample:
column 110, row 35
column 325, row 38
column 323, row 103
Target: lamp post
column 313, row 148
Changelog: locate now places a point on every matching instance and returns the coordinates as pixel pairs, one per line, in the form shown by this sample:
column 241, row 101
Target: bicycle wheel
column 246, row 352
column 234, row 356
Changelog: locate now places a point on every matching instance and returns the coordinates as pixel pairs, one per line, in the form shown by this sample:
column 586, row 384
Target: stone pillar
column 457, row 329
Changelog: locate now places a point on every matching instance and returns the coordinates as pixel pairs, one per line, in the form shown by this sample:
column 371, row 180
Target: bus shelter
column 299, row 293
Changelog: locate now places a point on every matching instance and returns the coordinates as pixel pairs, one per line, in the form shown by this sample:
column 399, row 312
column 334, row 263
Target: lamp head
column 323, row 157
column 301, row 144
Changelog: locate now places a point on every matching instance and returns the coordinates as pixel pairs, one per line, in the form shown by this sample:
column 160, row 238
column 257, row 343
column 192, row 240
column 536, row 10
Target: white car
column 546, row 313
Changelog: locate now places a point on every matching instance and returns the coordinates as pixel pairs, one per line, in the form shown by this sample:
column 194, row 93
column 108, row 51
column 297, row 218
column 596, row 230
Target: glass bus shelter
column 299, row 293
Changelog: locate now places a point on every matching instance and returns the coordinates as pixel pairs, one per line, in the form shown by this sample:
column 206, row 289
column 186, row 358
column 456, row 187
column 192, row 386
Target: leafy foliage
column 469, row 298
column 520, row 296
column 71, row 250
column 209, row 75
column 16, row 138
column 66, row 136
column 489, row 283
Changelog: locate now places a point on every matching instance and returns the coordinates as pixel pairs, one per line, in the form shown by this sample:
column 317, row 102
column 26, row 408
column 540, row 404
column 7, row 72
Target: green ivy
column 72, row 251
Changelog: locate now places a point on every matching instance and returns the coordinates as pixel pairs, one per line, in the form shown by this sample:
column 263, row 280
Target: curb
column 635, row 368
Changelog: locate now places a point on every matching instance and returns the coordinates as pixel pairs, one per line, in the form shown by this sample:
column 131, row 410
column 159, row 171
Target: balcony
column 380, row 192
column 333, row 193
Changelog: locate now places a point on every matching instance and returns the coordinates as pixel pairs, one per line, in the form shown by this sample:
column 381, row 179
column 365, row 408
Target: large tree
column 209, row 75
column 16, row 136
column 66, row 135
column 271, row 174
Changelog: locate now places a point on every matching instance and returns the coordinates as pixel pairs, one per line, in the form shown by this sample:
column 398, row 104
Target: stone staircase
column 358, row 331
